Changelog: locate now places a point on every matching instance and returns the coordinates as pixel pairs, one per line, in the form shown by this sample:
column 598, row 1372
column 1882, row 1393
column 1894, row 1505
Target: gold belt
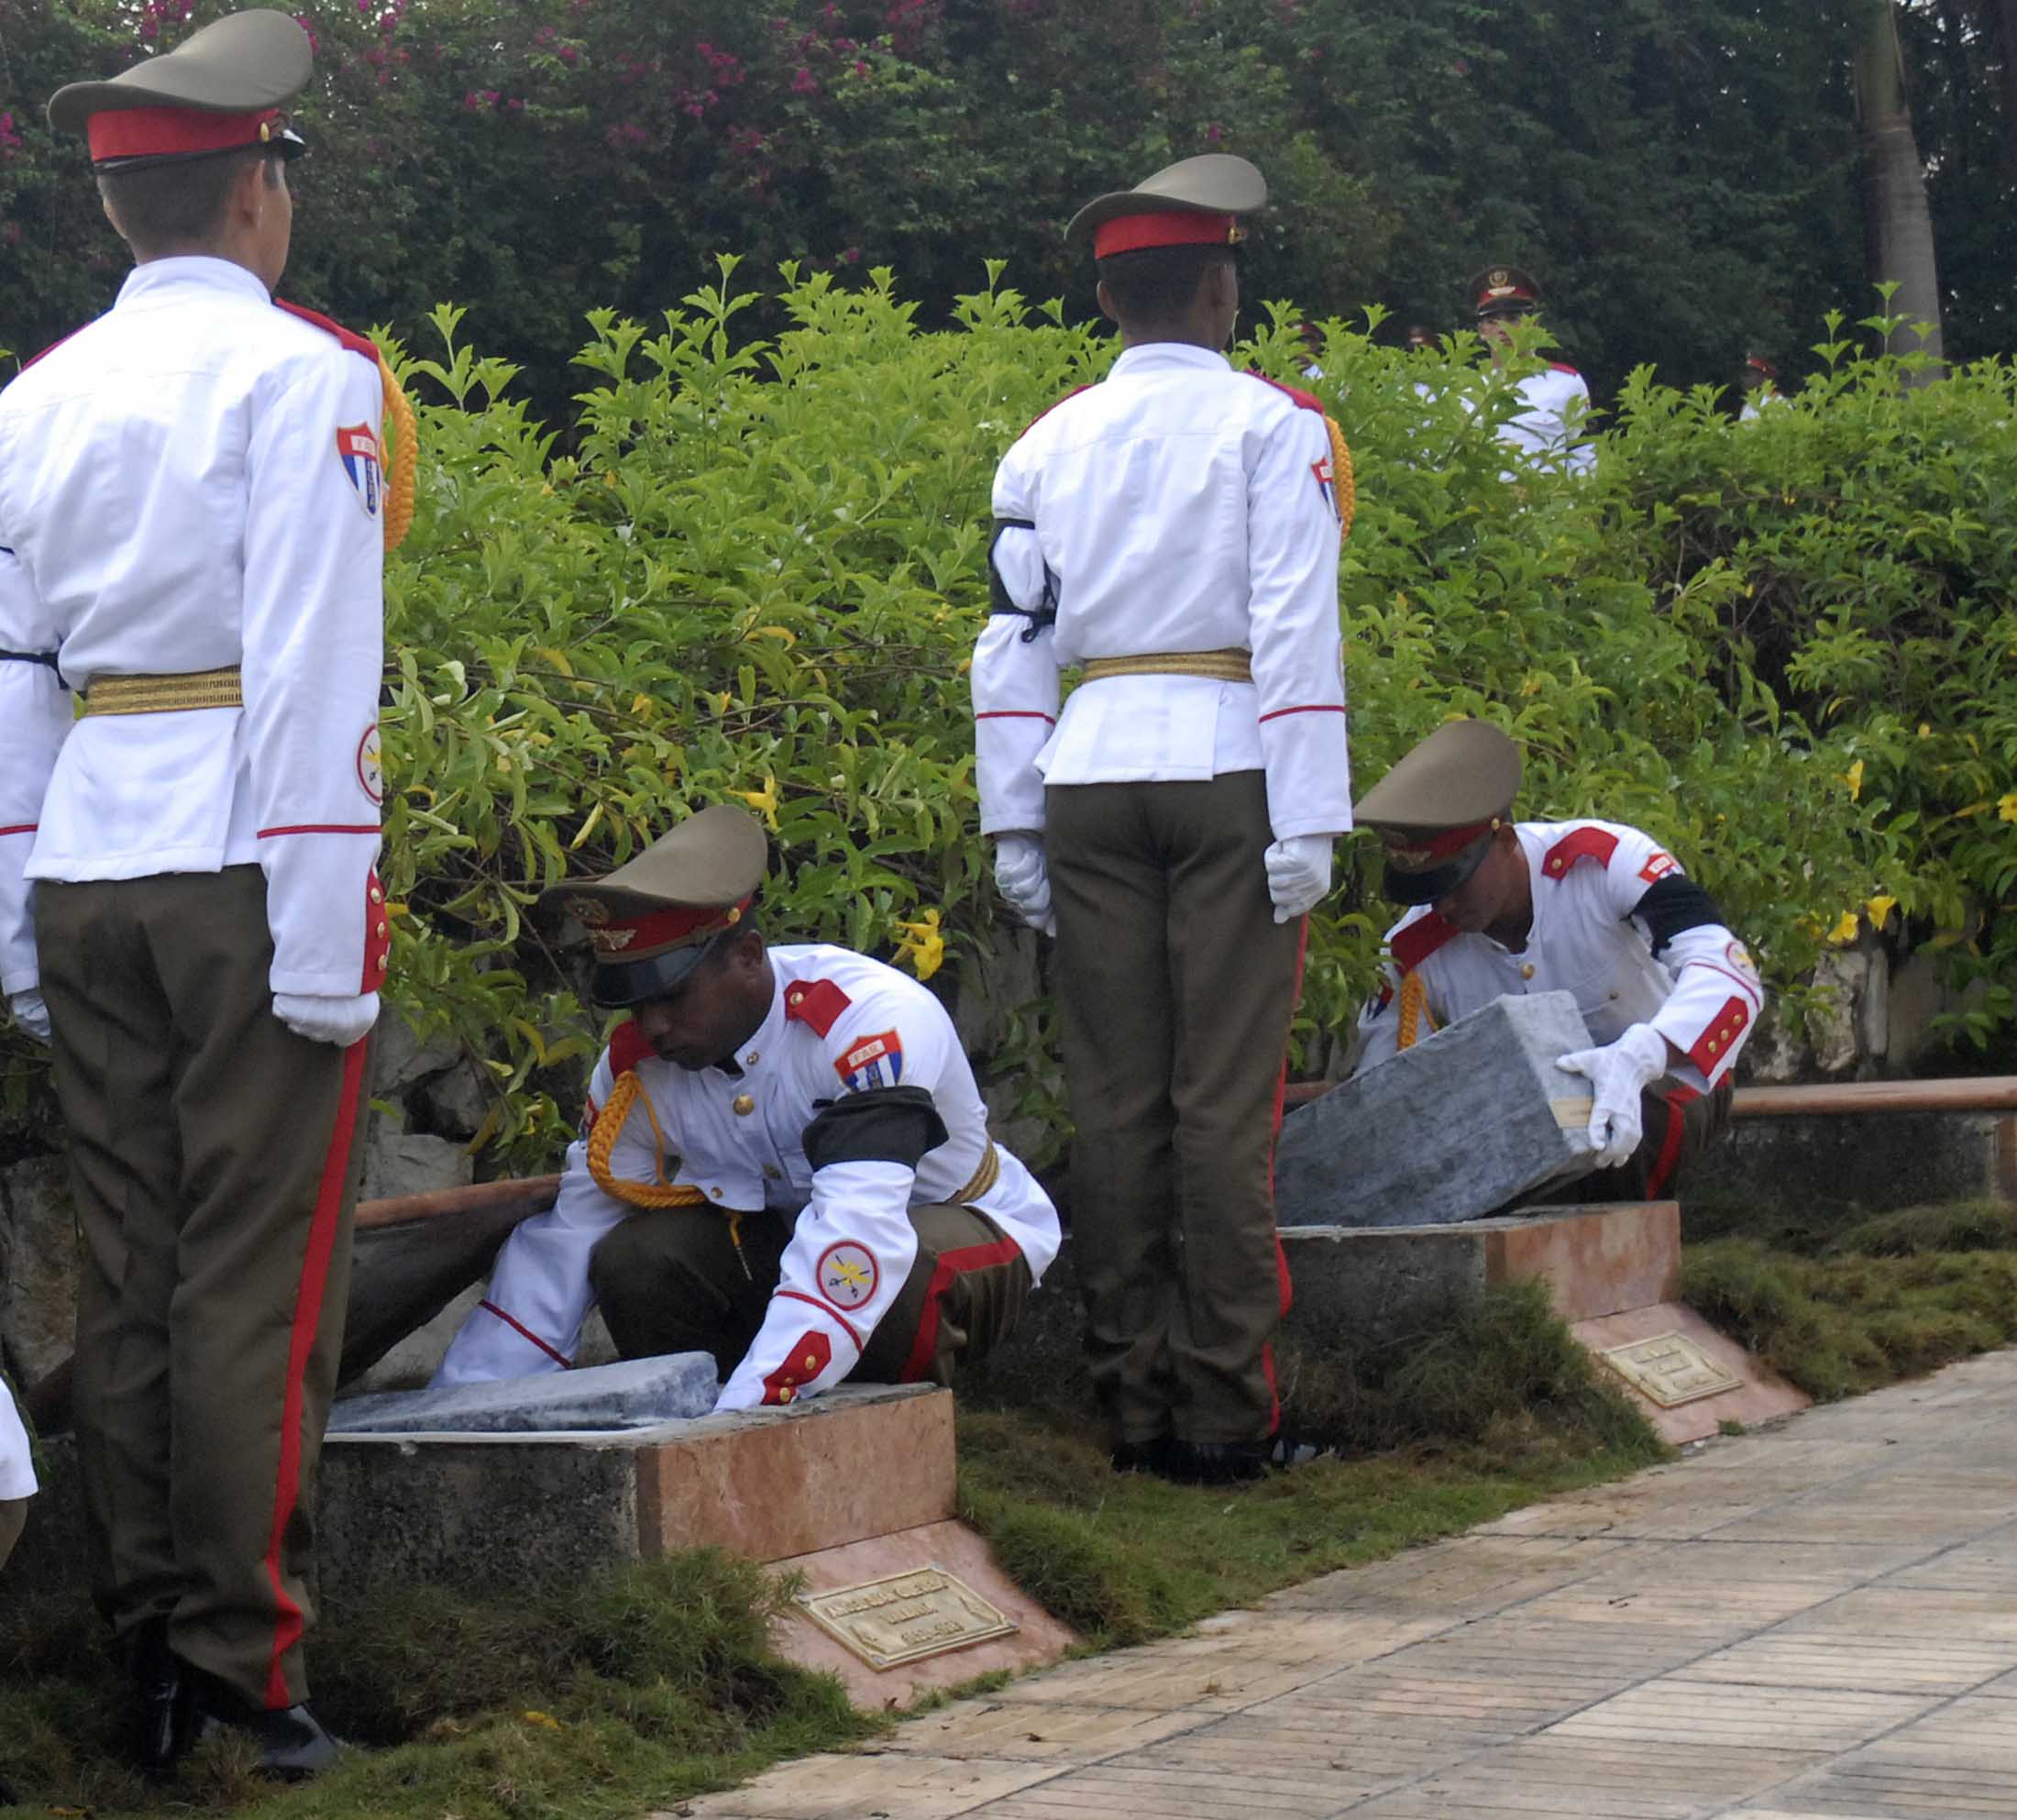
column 165, row 694
column 1233, row 665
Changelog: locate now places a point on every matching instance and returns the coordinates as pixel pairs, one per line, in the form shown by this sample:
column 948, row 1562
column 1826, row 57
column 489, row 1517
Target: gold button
column 797, row 998
column 1526, row 970
column 381, row 930
column 716, row 1193
column 753, row 1058
column 811, row 1364
column 378, row 896
column 745, row 1106
column 784, row 1396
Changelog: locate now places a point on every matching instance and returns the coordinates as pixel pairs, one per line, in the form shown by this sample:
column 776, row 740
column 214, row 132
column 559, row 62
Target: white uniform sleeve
column 530, row 1318
column 853, row 1245
column 34, row 717
column 1298, row 656
column 1014, row 673
column 1380, row 1023
column 313, row 656
column 16, row 1459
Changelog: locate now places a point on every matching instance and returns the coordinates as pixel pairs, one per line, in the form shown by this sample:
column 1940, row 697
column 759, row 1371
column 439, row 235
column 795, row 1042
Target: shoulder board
column 1579, row 844
column 627, row 1048
column 350, row 338
column 51, row 348
column 1415, row 942
column 1557, row 367
column 1308, row 401
column 816, row 1003
column 1052, row 406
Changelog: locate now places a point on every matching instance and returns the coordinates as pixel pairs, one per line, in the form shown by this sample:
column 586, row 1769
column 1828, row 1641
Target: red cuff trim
column 323, row 828
column 1018, row 715
column 830, row 1312
column 1713, row 1045
column 1312, row 708
column 806, row 1357
column 524, row 1332
column 23, row 828
column 378, row 936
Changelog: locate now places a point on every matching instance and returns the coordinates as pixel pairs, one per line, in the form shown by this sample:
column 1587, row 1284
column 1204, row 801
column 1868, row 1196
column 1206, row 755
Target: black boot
column 293, row 1743
column 155, row 1675
column 1140, row 1456
column 1236, row 1463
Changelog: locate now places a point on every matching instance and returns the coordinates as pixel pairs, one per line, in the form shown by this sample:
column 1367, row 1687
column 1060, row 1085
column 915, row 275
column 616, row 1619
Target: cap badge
column 1497, row 277
column 611, row 940
column 590, row 912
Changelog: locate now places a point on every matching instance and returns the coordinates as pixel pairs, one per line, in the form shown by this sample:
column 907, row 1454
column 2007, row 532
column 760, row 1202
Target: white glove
column 1298, row 873
column 1024, row 881
column 1618, row 1073
column 327, row 1020
column 30, row 1015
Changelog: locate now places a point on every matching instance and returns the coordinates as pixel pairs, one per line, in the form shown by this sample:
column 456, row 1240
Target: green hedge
column 757, row 567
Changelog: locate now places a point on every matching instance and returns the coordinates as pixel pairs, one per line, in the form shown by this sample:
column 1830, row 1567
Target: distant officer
column 193, row 524
column 1592, row 908
column 1419, row 337
column 1172, row 534
column 1549, row 429
column 784, row 1160
column 1757, row 381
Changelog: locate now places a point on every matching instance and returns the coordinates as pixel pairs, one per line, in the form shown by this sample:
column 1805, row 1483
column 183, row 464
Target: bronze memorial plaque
column 905, row 1617
column 1671, row 1369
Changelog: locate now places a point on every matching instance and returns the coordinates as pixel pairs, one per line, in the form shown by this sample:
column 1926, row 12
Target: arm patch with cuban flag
column 871, row 1062
column 358, row 450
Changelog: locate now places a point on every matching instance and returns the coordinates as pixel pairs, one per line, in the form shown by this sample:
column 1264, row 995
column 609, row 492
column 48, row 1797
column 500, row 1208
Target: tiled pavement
column 1815, row 1622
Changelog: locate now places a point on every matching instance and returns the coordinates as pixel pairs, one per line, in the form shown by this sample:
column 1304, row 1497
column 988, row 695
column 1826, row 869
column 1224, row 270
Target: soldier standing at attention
column 1172, row 532
column 1758, row 382
column 1547, row 431
column 192, row 522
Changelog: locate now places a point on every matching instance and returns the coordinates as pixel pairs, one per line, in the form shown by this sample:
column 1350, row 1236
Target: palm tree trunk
column 1898, row 225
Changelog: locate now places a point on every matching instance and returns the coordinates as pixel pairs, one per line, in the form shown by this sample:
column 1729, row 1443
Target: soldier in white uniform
column 1548, row 430
column 1757, row 381
column 785, row 1161
column 1596, row 909
column 1172, row 534
column 192, row 533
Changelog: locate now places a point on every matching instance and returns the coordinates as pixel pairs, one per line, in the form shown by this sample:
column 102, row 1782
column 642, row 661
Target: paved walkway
column 1815, row 1622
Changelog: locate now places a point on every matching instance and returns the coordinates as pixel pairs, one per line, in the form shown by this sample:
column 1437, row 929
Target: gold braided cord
column 1227, row 666
column 982, row 1179
column 1343, row 487
column 1414, row 1013
column 165, row 694
column 609, row 1125
column 399, row 472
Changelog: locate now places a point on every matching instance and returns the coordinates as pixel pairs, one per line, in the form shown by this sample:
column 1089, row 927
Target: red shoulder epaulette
column 816, row 1003
column 628, row 1048
column 810, row 1354
column 52, row 348
column 1418, row 940
column 1579, row 844
column 356, row 343
column 1308, row 401
column 1557, row 367
column 1052, row 406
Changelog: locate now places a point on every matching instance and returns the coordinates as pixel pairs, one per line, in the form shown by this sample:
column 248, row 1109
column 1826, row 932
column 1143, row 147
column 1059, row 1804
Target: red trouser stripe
column 524, row 1332
column 924, row 1349
column 1670, row 1143
column 314, row 1276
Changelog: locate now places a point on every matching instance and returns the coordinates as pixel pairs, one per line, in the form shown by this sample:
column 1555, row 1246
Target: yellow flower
column 1853, row 776
column 1925, row 731
column 717, row 699
column 764, row 801
column 922, row 945
column 538, row 1718
column 1844, row 929
column 1879, row 908
column 2006, row 807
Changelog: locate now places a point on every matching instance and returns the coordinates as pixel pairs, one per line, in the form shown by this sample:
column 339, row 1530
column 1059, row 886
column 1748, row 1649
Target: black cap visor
column 1439, row 881
column 621, row 985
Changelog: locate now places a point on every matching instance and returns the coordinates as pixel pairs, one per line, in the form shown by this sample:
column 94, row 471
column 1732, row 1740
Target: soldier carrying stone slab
column 1596, row 909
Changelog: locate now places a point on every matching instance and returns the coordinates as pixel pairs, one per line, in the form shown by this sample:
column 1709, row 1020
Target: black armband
column 886, row 1124
column 1675, row 903
column 47, row 659
column 1045, row 611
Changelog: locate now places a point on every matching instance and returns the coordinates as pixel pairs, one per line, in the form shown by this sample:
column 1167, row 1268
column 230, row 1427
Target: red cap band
column 637, row 938
column 153, row 132
column 1171, row 227
column 1499, row 296
column 1417, row 851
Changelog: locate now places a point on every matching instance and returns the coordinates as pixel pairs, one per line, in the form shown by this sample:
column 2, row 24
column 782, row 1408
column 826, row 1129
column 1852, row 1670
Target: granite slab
column 1466, row 1122
column 630, row 1394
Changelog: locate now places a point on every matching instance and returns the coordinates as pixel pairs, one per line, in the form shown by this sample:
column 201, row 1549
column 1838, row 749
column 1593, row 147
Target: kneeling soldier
column 1591, row 908
column 785, row 1161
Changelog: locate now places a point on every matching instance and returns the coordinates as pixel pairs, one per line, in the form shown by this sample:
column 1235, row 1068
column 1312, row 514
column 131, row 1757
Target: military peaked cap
column 649, row 921
column 220, row 90
column 1501, row 290
column 1438, row 808
column 1196, row 203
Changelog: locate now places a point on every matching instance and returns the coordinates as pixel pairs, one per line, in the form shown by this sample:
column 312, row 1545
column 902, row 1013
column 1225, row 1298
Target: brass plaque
column 906, row 1616
column 1671, row 1369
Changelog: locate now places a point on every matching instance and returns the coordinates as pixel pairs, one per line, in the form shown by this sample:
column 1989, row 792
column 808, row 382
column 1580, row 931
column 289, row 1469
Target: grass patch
column 635, row 1690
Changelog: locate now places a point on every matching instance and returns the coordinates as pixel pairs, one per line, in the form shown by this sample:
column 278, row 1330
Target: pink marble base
column 1597, row 1259
column 1039, row 1639
column 1758, row 1397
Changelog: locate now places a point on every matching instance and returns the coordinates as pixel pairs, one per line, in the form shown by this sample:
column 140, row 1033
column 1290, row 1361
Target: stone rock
column 1839, row 978
column 999, row 977
column 1777, row 1052
column 38, row 1265
column 458, row 1101
column 398, row 1164
column 1873, row 1009
column 400, row 1060
column 1463, row 1124
column 635, row 1394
